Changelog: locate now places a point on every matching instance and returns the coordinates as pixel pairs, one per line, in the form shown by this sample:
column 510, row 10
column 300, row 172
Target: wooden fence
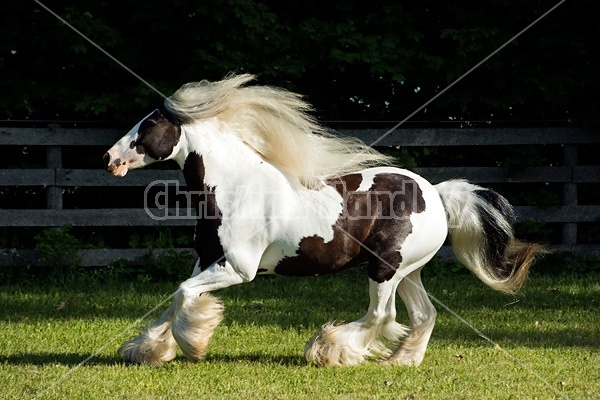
column 55, row 178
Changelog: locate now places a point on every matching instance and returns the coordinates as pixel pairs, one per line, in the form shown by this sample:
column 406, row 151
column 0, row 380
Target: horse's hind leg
column 422, row 316
column 155, row 346
column 352, row 343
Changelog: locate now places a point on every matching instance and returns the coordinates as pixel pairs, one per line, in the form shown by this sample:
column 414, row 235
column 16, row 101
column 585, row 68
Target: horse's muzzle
column 116, row 166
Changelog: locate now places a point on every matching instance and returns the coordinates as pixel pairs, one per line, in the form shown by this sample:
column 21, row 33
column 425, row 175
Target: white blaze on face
column 123, row 156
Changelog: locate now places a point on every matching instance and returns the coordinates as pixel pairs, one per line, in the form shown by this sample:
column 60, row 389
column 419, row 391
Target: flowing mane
column 276, row 124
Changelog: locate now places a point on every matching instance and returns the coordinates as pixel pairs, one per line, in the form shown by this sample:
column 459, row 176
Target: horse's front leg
column 189, row 322
column 197, row 313
column 155, row 345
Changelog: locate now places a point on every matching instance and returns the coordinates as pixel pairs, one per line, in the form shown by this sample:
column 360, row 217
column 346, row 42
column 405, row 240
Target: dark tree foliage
column 354, row 60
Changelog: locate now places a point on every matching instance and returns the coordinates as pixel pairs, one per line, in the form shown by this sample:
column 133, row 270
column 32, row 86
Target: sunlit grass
column 60, row 342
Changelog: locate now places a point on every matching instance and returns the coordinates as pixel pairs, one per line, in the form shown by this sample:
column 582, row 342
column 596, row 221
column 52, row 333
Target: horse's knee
column 183, row 295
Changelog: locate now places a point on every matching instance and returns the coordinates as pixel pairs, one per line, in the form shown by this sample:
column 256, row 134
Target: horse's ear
column 151, row 121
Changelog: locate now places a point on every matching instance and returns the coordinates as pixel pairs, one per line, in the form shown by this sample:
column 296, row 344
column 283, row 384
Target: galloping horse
column 279, row 194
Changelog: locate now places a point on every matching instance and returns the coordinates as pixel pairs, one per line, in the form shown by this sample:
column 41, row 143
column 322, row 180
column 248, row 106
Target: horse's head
column 154, row 138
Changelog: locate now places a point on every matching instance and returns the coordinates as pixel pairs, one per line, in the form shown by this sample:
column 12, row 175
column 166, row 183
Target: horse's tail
column 480, row 225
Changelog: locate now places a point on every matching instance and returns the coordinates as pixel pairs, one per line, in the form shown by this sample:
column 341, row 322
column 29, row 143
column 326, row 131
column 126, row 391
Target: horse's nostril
column 106, row 159
column 117, row 162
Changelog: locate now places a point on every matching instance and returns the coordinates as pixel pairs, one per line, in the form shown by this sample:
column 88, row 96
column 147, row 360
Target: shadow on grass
column 65, row 359
column 271, row 299
column 517, row 337
column 259, row 358
column 297, row 303
column 74, row 359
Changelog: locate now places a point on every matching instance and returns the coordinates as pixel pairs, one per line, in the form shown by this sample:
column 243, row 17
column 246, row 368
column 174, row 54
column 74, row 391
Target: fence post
column 54, row 199
column 569, row 232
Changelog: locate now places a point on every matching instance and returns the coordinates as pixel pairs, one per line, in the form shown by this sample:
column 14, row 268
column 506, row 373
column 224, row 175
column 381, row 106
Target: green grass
column 60, row 342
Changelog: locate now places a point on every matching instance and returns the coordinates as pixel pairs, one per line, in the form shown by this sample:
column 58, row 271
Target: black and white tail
column 480, row 225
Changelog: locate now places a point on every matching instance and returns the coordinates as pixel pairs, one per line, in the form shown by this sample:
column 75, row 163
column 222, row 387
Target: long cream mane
column 275, row 123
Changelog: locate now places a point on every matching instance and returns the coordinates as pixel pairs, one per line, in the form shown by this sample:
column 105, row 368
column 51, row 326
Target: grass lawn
column 61, row 342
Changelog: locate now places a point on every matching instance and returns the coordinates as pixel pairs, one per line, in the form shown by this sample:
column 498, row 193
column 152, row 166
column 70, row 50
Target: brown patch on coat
column 157, row 136
column 315, row 257
column 372, row 227
column 393, row 226
column 207, row 243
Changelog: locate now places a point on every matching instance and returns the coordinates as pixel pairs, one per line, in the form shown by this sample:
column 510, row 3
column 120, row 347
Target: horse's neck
column 246, row 185
column 227, row 162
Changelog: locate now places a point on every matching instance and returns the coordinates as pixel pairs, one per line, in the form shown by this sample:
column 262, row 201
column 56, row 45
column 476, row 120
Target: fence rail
column 87, row 177
column 54, row 178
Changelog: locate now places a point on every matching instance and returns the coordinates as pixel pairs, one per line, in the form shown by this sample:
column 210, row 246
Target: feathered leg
column 353, row 343
column 195, row 320
column 155, row 346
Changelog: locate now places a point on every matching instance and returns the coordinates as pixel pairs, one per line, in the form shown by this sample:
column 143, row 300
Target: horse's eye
column 151, row 122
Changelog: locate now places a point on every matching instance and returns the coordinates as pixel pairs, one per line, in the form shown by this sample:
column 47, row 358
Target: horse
column 277, row 193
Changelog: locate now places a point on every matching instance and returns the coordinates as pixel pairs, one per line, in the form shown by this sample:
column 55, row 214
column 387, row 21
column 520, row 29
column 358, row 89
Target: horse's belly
column 312, row 257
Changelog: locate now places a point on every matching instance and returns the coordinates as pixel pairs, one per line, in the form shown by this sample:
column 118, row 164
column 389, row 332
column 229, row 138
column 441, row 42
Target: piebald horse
column 279, row 194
